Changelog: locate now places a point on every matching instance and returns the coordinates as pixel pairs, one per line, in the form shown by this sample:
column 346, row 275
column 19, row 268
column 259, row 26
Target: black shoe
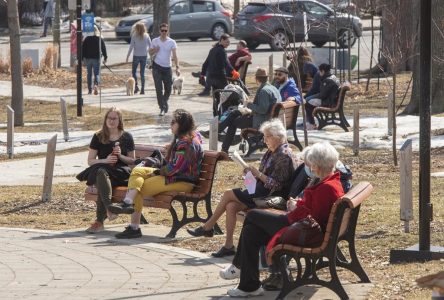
column 195, row 74
column 273, row 282
column 202, row 94
column 142, row 92
column 136, row 89
column 165, row 108
column 224, row 252
column 129, row 233
column 205, row 133
column 199, row 231
column 121, row 208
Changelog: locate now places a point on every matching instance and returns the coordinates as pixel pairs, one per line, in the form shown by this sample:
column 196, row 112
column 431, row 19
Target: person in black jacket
column 91, row 55
column 216, row 67
column 327, row 95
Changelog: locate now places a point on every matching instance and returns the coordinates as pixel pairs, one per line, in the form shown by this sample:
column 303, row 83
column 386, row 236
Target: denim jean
column 139, row 60
column 163, row 81
column 46, row 22
column 92, row 64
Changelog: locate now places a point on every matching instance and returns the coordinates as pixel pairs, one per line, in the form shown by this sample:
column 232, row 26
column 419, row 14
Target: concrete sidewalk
column 39, row 264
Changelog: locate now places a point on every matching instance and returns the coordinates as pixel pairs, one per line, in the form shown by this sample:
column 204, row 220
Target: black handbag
column 275, row 202
column 155, row 160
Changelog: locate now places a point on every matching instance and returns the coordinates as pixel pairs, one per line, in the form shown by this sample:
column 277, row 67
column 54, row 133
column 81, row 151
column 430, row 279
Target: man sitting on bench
column 287, row 87
column 327, row 95
column 257, row 112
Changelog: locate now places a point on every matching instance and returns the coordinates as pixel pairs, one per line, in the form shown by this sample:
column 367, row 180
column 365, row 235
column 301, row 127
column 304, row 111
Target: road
column 192, row 53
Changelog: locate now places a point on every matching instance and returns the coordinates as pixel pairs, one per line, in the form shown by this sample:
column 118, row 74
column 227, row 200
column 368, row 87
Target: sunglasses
column 164, row 30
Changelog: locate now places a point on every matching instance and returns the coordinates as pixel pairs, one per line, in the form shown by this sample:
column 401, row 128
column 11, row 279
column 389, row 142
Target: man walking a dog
column 163, row 48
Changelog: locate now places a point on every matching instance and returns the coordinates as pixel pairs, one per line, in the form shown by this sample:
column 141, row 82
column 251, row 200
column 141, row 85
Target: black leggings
column 259, row 227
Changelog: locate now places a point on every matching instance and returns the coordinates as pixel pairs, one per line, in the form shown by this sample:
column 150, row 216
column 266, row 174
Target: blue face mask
column 309, row 172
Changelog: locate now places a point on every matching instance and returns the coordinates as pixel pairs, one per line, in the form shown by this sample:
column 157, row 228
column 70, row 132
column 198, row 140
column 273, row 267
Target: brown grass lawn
column 379, row 227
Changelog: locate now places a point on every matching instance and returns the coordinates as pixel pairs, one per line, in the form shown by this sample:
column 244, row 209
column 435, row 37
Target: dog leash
column 113, row 72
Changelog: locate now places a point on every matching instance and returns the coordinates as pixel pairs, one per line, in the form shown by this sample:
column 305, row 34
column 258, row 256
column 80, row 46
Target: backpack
column 346, row 176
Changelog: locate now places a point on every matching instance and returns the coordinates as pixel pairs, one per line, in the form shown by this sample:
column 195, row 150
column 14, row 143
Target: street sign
column 88, row 22
column 86, row 4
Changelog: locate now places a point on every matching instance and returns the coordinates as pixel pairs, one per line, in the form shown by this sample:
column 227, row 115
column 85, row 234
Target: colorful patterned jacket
column 185, row 161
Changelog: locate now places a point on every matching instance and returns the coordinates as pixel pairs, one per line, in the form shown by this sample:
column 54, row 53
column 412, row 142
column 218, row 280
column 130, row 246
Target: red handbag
column 305, row 232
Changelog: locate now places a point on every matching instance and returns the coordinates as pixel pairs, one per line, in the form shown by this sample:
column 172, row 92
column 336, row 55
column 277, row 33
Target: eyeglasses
column 164, row 30
column 113, row 119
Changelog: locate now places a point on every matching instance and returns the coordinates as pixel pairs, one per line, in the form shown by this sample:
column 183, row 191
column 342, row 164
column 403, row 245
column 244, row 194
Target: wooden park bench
column 333, row 115
column 201, row 192
column 287, row 112
column 341, row 226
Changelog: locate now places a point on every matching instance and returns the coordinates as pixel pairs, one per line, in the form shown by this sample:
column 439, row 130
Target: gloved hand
column 235, row 75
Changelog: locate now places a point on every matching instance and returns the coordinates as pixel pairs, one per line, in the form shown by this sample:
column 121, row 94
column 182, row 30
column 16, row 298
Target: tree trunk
column 438, row 58
column 16, row 64
column 437, row 93
column 56, row 35
column 405, row 13
column 161, row 15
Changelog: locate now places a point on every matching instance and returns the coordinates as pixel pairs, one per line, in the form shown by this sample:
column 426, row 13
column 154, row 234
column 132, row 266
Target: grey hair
column 323, row 155
column 275, row 128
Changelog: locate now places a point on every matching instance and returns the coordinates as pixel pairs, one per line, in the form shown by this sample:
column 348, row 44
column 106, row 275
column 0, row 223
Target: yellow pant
column 147, row 184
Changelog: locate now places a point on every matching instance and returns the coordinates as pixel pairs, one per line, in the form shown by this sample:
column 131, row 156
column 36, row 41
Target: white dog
column 130, row 85
column 178, row 85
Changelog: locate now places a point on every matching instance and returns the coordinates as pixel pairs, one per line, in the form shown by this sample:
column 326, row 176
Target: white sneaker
column 235, row 292
column 230, row 272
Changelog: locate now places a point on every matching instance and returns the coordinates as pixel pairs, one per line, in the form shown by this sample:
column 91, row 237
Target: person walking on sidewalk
column 91, row 54
column 48, row 14
column 111, row 151
column 163, row 48
column 217, row 66
column 140, row 42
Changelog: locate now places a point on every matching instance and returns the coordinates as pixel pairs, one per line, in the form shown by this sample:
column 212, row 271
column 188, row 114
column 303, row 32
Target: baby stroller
column 226, row 100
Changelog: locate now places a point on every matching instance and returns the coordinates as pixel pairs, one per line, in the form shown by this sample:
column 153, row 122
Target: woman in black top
column 91, row 47
column 110, row 152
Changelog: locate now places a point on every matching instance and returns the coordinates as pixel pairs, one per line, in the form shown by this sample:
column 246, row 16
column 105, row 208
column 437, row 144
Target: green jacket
column 266, row 96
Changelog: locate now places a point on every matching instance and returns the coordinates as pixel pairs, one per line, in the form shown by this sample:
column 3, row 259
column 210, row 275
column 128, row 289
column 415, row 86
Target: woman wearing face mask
column 262, row 227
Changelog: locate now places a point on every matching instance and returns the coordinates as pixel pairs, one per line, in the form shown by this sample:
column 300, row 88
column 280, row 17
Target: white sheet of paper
column 250, row 182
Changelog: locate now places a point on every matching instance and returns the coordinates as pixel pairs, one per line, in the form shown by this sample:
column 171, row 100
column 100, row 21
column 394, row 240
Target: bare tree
column 161, row 15
column 397, row 53
column 16, row 64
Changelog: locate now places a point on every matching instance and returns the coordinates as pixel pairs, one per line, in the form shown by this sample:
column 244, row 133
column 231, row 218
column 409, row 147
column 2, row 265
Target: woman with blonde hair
column 111, row 151
column 140, row 43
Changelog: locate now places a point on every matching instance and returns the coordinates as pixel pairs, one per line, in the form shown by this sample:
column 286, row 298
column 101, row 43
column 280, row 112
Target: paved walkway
column 38, row 264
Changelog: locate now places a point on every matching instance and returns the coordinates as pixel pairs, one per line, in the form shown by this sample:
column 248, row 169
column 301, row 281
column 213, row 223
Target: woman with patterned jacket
column 180, row 173
column 273, row 176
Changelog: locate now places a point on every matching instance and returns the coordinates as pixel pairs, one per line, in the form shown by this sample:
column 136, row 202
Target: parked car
column 340, row 5
column 279, row 23
column 188, row 19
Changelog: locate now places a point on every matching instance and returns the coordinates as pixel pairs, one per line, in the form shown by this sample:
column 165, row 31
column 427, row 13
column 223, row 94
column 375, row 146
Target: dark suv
column 279, row 23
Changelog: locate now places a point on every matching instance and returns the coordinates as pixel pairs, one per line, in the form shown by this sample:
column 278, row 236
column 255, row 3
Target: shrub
column 5, row 64
column 27, row 69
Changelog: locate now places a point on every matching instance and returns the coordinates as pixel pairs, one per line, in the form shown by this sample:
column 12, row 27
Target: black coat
column 217, row 63
column 329, row 89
